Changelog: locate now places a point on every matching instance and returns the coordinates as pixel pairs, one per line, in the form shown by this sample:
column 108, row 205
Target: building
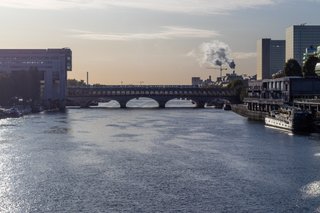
column 300, row 37
column 270, row 57
column 317, row 68
column 196, row 81
column 228, row 78
column 315, row 52
column 52, row 65
column 310, row 51
column 285, row 89
column 269, row 94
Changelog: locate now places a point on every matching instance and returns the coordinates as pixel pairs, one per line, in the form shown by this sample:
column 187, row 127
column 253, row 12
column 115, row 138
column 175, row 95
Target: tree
column 74, row 82
column 240, row 87
column 309, row 66
column 292, row 68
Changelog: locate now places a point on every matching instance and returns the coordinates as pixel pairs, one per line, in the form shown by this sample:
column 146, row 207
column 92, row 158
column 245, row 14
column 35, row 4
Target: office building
column 52, row 65
column 270, row 57
column 300, row 37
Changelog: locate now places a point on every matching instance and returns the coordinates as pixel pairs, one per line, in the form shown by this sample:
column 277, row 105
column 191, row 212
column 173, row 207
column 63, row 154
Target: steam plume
column 216, row 53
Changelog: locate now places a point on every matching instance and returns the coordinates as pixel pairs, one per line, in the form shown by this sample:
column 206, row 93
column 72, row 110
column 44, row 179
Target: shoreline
column 242, row 110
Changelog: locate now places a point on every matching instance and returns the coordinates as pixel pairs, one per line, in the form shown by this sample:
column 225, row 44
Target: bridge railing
column 140, row 86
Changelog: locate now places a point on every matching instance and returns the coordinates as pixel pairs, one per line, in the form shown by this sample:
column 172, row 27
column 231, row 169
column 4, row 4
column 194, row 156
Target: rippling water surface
column 155, row 160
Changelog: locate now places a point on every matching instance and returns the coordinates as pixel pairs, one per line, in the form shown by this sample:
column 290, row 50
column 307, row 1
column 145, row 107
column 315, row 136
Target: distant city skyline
column 149, row 42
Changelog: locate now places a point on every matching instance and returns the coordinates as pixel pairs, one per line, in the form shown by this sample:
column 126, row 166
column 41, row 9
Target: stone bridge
column 87, row 95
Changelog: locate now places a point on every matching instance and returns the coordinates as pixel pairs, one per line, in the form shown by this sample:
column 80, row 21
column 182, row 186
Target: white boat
column 290, row 118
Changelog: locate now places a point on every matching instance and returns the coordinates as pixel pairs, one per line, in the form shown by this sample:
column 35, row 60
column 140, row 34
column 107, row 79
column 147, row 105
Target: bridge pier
column 162, row 104
column 123, row 105
column 200, row 105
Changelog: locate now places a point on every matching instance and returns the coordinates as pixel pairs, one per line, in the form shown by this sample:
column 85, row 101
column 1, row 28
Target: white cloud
column 167, row 32
column 181, row 6
column 244, row 55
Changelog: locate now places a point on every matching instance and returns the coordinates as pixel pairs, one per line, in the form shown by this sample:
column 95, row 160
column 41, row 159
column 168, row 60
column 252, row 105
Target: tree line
column 293, row 68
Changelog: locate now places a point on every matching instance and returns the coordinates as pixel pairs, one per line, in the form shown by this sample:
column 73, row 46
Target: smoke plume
column 216, row 53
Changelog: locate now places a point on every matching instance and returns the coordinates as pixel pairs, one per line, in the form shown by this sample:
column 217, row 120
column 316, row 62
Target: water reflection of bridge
column 85, row 96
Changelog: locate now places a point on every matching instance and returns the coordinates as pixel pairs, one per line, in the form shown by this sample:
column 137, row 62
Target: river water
column 155, row 160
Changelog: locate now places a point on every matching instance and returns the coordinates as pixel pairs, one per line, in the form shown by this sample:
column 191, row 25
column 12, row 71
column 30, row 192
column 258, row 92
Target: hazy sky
column 149, row 41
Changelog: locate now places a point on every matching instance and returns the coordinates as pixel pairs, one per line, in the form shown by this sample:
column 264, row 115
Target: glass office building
column 270, row 57
column 300, row 37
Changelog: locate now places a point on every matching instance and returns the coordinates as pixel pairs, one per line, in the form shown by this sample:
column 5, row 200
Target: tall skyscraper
column 300, row 37
column 270, row 57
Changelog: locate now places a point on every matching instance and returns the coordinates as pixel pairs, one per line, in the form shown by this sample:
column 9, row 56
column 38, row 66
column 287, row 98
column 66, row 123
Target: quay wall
column 242, row 110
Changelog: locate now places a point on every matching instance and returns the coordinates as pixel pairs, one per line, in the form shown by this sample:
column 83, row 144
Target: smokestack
column 232, row 65
column 87, row 78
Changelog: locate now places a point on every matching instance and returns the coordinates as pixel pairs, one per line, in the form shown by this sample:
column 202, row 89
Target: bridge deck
column 160, row 93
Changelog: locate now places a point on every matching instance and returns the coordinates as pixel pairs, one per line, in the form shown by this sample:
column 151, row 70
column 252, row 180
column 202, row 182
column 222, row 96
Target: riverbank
column 10, row 113
column 242, row 110
column 16, row 111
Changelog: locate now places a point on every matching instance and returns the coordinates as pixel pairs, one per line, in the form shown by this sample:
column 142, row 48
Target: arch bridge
column 87, row 95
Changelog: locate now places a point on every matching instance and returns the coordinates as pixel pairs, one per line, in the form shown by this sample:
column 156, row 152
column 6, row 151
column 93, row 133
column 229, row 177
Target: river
column 155, row 160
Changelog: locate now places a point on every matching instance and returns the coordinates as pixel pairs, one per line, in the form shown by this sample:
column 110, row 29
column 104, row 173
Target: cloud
column 167, row 32
column 180, row 6
column 244, row 55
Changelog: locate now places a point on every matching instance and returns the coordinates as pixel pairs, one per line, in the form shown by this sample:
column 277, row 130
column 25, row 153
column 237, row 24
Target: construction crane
column 220, row 68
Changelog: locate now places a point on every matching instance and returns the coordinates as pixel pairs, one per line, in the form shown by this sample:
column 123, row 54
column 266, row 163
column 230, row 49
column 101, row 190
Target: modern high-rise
column 300, row 37
column 52, row 66
column 270, row 57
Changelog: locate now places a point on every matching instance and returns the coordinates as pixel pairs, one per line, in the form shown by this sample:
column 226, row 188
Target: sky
column 150, row 41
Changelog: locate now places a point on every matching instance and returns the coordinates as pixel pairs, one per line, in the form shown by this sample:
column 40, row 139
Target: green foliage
column 74, row 82
column 240, row 87
column 309, row 66
column 235, row 84
column 292, row 68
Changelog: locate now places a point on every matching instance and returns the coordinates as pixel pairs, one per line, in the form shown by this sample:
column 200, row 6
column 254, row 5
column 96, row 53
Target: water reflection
column 7, row 166
column 180, row 103
column 311, row 190
column 142, row 103
column 109, row 104
column 146, row 103
column 151, row 160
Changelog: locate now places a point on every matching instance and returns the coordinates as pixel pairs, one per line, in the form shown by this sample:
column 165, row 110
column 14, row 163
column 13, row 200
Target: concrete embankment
column 241, row 109
column 14, row 112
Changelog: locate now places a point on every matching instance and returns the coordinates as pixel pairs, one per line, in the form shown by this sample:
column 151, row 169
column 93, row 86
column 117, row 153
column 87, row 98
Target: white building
column 300, row 37
column 270, row 57
column 52, row 64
